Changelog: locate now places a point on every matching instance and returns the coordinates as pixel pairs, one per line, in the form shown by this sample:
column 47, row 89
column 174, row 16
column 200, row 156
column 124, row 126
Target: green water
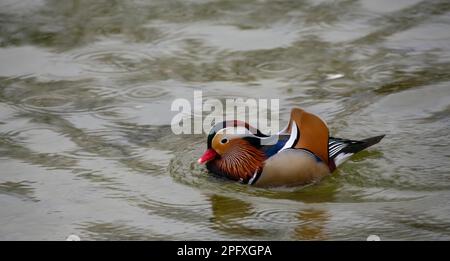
column 86, row 146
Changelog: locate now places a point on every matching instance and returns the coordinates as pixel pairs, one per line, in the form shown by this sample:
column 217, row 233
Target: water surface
column 86, row 146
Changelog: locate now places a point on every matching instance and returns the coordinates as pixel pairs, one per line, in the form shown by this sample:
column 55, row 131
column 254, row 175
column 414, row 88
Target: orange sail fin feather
column 313, row 133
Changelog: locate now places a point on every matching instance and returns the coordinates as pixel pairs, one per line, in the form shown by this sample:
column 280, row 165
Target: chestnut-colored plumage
column 240, row 161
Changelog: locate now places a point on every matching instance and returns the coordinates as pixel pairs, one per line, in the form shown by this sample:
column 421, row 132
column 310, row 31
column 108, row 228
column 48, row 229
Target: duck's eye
column 223, row 141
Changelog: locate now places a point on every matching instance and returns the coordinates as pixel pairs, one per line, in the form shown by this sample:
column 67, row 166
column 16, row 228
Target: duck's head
column 233, row 150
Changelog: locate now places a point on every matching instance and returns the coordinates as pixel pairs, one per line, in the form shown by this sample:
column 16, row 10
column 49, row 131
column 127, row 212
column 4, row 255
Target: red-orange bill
column 207, row 156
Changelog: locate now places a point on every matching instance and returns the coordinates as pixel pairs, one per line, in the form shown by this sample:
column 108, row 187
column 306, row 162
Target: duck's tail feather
column 341, row 149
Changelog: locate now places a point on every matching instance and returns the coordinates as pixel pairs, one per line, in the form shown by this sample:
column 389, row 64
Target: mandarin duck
column 300, row 154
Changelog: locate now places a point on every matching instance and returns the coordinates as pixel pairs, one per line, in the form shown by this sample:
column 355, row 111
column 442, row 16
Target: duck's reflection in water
column 233, row 216
column 241, row 219
column 313, row 222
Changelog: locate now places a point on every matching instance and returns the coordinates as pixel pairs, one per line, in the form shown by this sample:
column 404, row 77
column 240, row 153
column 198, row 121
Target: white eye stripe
column 231, row 133
column 235, row 131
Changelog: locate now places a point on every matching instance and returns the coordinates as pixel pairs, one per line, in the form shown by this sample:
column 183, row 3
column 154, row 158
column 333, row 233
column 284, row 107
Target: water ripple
column 113, row 61
column 280, row 216
column 145, row 93
column 374, row 73
column 22, row 189
column 39, row 139
column 117, row 113
column 48, row 103
column 59, row 97
column 276, row 67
